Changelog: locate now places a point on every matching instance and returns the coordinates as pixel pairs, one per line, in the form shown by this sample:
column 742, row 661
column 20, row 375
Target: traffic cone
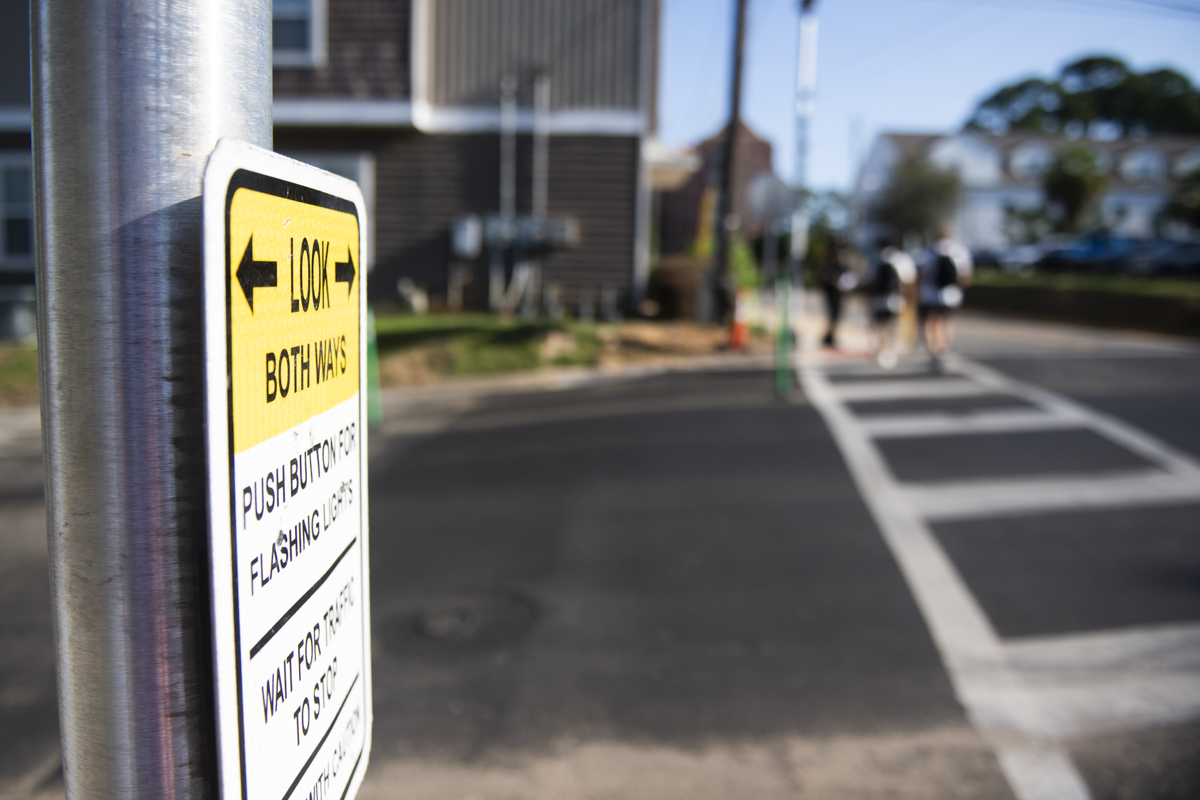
column 739, row 334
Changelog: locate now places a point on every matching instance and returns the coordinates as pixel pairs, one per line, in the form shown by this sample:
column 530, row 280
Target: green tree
column 1074, row 185
column 1096, row 89
column 1184, row 205
column 919, row 198
column 742, row 268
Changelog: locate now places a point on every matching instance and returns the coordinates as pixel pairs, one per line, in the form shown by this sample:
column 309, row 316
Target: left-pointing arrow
column 251, row 273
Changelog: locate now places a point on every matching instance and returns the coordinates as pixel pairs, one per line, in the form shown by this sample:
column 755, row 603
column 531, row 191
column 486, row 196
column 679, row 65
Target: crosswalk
column 1028, row 696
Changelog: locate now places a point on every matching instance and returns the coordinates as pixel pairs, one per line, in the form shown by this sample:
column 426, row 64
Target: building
column 1000, row 172
column 17, row 318
column 404, row 97
column 682, row 210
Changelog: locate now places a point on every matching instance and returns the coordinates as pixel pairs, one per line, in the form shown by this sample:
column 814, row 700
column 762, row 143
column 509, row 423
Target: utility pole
column 129, row 99
column 806, row 86
column 541, row 146
column 727, row 222
column 508, row 191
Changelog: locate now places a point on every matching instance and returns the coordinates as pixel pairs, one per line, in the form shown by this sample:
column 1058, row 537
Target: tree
column 919, row 198
column 1094, row 90
column 1073, row 187
column 1184, row 205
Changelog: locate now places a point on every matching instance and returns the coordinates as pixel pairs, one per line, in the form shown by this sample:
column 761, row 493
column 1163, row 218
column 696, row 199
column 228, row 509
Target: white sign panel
column 285, row 313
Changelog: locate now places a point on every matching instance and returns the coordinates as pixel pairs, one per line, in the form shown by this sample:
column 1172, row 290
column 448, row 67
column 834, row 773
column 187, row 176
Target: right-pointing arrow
column 251, row 273
column 343, row 271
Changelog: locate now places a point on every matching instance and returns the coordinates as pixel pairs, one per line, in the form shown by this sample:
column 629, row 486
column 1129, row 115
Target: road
column 983, row 583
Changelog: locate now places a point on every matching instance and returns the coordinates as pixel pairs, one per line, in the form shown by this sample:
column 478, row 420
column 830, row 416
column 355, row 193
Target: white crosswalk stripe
column 1003, row 497
column 910, row 389
column 1114, row 680
column 1003, row 420
column 1025, row 696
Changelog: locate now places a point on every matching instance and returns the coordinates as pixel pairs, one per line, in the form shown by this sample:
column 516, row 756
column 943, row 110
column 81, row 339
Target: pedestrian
column 891, row 273
column 944, row 271
column 835, row 277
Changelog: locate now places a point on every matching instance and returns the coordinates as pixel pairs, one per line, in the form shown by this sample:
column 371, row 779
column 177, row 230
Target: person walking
column 892, row 271
column 943, row 274
column 835, row 277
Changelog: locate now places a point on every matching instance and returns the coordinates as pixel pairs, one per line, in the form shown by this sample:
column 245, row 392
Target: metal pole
column 723, row 293
column 541, row 146
column 508, row 192
column 806, row 85
column 508, row 148
column 129, row 98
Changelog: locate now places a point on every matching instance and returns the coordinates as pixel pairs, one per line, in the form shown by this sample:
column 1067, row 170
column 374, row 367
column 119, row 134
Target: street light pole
column 129, row 99
column 806, row 85
column 726, row 221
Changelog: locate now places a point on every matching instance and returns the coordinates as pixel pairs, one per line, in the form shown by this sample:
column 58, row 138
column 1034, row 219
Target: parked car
column 1023, row 257
column 1096, row 253
column 1163, row 257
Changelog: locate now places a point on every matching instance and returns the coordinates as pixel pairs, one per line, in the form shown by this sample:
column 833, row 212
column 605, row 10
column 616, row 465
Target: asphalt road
column 982, row 584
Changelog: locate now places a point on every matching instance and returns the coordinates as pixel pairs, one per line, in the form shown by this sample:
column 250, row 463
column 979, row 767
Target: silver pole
column 806, row 85
column 508, row 148
column 541, row 146
column 129, row 98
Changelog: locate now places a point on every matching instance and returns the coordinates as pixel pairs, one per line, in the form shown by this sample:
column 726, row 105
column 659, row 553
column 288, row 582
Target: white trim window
column 1030, row 161
column 16, row 211
column 298, row 33
column 1187, row 163
column 1143, row 166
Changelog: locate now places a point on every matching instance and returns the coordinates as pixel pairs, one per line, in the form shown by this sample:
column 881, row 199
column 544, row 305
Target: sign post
column 285, row 352
column 129, row 97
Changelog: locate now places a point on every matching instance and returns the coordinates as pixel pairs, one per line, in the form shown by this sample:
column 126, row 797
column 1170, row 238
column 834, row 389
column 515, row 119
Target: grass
column 480, row 344
column 1115, row 284
column 18, row 374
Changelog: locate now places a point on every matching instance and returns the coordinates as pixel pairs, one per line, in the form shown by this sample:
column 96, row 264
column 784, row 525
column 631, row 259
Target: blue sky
column 898, row 65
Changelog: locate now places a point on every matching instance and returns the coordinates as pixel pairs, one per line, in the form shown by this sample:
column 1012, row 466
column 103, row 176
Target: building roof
column 1177, row 154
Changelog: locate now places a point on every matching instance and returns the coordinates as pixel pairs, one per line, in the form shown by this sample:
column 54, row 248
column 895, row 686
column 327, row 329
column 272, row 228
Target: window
column 1030, row 161
column 1187, row 163
column 1142, row 166
column 16, row 212
column 298, row 33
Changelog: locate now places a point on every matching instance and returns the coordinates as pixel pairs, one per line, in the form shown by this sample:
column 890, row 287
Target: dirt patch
column 603, row 345
column 647, row 341
column 416, row 366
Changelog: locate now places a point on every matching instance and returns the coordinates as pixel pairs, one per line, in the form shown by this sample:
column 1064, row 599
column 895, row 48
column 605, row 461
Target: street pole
column 129, row 99
column 721, row 288
column 806, row 86
column 508, row 192
column 541, row 146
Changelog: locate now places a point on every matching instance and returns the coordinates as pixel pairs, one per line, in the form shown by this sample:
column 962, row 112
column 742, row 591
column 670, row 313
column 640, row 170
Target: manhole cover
column 466, row 622
column 456, row 622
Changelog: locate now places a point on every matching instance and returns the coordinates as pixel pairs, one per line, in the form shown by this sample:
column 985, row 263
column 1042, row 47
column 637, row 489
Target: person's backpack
column 945, row 271
column 885, row 280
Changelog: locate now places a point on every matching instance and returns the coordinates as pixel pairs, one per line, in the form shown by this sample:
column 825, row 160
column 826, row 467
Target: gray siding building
column 404, row 97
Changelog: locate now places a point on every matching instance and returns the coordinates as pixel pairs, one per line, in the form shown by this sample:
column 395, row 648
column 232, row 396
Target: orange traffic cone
column 739, row 333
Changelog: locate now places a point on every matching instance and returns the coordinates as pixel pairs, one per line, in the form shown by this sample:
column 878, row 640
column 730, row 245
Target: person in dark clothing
column 944, row 272
column 889, row 280
column 835, row 278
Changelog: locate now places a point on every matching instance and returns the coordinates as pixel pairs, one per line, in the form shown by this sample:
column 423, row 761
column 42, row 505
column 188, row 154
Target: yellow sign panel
column 284, row 306
column 293, row 307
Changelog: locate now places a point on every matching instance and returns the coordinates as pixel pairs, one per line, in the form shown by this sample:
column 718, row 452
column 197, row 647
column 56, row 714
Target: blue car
column 1097, row 253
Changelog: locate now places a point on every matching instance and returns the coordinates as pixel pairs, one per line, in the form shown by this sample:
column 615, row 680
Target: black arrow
column 343, row 271
column 251, row 273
